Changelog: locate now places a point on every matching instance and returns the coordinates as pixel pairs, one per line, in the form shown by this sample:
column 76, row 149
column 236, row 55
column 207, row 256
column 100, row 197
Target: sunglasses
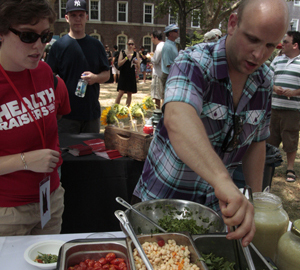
column 31, row 37
column 233, row 133
column 130, row 44
column 176, row 31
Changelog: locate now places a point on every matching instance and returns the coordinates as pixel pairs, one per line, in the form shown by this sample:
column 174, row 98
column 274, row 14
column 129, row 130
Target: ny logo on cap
column 77, row 3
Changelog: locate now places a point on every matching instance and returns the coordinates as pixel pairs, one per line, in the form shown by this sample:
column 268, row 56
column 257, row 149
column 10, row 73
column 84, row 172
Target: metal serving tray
column 180, row 238
column 219, row 245
column 76, row 251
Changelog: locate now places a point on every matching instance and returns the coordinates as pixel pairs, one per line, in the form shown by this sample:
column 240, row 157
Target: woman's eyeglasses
column 234, row 132
column 31, row 37
column 130, row 44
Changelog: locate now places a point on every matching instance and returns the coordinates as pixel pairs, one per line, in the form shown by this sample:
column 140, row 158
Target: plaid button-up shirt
column 199, row 77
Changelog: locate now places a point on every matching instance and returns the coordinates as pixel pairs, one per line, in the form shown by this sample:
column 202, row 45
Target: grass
column 288, row 192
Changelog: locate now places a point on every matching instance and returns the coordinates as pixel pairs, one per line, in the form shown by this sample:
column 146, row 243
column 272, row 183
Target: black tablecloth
column 91, row 185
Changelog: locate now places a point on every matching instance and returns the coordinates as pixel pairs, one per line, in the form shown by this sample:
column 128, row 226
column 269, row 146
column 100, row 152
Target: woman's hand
column 41, row 161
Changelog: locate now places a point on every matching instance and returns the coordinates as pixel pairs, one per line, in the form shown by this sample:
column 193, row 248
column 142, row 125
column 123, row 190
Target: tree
column 209, row 12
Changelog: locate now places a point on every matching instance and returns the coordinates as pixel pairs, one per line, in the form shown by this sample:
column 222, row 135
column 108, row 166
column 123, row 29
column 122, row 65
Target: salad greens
column 46, row 258
column 217, row 263
column 187, row 223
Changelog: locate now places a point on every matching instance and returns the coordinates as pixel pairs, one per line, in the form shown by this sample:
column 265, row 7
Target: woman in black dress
column 128, row 61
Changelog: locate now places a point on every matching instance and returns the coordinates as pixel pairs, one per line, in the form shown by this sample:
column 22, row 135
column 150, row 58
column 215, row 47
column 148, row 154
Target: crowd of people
column 215, row 97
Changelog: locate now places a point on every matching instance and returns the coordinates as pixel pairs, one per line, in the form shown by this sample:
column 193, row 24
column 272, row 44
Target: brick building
column 114, row 21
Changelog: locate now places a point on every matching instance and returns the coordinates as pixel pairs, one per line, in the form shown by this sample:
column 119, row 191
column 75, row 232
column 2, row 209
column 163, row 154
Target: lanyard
column 25, row 105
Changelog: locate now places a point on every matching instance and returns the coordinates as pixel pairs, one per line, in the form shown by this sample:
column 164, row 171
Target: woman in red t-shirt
column 29, row 153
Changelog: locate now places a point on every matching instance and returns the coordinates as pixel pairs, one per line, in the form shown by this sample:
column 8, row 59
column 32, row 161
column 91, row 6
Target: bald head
column 254, row 32
column 278, row 8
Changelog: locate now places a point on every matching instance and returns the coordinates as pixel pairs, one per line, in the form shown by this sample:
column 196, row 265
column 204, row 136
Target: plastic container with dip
column 271, row 223
column 288, row 253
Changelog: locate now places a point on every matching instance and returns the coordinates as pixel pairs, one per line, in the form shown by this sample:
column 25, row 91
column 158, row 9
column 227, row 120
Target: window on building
column 148, row 13
column 294, row 24
column 296, row 3
column 122, row 41
column 62, row 10
column 172, row 17
column 147, row 44
column 195, row 21
column 94, row 10
column 122, row 11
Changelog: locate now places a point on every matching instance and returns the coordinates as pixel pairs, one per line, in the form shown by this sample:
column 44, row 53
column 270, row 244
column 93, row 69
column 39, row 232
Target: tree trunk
column 182, row 29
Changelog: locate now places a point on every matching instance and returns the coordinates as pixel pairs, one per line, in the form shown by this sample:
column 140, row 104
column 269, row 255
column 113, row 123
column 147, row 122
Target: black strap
column 55, row 81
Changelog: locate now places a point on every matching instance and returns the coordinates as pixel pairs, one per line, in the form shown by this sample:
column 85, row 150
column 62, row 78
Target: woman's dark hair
column 16, row 12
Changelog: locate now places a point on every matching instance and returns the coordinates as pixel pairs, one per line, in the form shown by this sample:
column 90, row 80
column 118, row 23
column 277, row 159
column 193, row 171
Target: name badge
column 45, row 201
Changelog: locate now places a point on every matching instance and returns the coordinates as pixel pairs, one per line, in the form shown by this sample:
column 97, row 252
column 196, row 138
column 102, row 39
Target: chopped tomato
column 110, row 256
column 122, row 266
column 103, row 261
column 97, row 264
column 161, row 243
column 91, row 263
column 117, row 261
column 83, row 265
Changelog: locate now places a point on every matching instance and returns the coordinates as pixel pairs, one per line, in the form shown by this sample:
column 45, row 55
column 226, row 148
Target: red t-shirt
column 62, row 102
column 19, row 133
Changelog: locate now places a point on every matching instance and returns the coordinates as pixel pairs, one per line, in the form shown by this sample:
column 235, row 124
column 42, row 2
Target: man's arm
column 253, row 165
column 190, row 141
column 286, row 92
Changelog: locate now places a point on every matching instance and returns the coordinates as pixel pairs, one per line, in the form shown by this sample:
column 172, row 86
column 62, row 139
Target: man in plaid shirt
column 216, row 114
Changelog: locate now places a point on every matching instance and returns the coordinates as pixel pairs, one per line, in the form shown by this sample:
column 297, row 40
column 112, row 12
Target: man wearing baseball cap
column 169, row 51
column 76, row 56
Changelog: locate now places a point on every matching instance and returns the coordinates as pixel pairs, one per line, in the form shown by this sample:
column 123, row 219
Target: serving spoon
column 245, row 250
column 130, row 207
column 121, row 216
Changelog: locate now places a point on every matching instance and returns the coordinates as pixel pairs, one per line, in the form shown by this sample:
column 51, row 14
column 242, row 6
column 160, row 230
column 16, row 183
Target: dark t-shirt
column 69, row 58
column 144, row 61
column 116, row 56
column 116, row 53
column 108, row 54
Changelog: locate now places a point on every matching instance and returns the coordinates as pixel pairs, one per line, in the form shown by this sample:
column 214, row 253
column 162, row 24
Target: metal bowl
column 157, row 209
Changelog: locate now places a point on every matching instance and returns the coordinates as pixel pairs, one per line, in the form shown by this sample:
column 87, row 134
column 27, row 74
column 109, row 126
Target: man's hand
column 92, row 78
column 236, row 211
column 278, row 90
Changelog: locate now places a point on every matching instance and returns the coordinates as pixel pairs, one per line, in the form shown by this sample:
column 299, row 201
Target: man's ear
column 296, row 46
column 232, row 23
column 67, row 17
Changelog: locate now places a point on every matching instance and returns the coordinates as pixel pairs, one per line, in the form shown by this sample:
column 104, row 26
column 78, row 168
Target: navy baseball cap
column 74, row 5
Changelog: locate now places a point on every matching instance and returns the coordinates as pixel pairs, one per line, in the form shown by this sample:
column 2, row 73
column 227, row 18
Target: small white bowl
column 48, row 247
